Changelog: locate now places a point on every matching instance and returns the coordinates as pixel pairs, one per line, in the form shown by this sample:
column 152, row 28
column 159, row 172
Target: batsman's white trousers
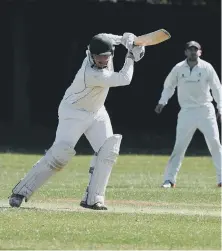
column 189, row 120
column 73, row 123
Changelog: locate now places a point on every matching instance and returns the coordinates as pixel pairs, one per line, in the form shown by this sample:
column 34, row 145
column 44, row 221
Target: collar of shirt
column 198, row 63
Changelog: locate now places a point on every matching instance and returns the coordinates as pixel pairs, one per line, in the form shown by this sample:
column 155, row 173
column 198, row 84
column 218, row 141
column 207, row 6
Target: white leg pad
column 54, row 160
column 106, row 158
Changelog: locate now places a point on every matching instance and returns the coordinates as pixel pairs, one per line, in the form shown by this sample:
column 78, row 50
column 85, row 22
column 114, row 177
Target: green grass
column 141, row 215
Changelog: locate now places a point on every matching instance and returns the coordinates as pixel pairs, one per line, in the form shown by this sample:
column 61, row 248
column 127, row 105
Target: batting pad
column 106, row 158
column 55, row 159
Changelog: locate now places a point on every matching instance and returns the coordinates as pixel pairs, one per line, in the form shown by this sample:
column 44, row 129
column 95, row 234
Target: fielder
column 82, row 111
column 194, row 78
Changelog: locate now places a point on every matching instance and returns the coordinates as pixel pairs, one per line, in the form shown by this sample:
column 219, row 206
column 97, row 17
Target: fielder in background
column 194, row 78
column 82, row 111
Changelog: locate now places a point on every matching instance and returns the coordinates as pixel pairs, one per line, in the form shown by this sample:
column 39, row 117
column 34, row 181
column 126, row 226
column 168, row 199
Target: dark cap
column 101, row 45
column 193, row 44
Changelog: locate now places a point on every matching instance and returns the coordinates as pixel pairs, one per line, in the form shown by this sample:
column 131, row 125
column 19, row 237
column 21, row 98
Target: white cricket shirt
column 193, row 87
column 91, row 85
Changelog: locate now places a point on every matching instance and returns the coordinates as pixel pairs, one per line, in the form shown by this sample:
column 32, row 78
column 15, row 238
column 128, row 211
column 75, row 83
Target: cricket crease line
column 62, row 207
column 135, row 203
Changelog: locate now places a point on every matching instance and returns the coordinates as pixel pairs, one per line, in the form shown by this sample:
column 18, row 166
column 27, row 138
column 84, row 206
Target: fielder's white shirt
column 91, row 85
column 193, row 87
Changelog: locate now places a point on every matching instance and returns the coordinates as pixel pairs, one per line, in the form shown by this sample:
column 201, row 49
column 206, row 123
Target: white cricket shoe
column 168, row 184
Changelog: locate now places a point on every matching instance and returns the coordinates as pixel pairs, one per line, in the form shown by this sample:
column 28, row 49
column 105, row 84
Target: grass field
column 141, row 215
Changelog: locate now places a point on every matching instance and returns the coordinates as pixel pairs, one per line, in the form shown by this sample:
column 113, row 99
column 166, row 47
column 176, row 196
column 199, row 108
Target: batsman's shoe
column 219, row 185
column 96, row 206
column 168, row 184
column 15, row 200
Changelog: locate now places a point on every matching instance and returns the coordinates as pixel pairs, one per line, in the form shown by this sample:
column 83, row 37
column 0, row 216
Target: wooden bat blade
column 152, row 38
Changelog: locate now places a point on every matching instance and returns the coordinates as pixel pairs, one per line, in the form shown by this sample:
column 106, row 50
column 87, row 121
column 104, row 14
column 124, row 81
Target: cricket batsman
column 82, row 111
column 194, row 78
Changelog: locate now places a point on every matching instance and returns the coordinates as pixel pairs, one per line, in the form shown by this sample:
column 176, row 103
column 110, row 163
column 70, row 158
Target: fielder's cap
column 101, row 45
column 193, row 44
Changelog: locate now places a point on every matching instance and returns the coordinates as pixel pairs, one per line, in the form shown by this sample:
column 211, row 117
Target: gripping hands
column 137, row 52
column 134, row 52
column 128, row 40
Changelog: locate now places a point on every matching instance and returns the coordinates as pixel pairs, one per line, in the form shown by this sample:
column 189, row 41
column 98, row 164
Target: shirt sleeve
column 115, row 38
column 216, row 87
column 170, row 84
column 106, row 78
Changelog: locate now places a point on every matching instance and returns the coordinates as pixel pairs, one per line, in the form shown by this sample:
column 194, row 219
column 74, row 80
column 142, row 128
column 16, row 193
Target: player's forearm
column 166, row 95
column 127, row 39
column 116, row 39
column 125, row 75
column 113, row 79
column 169, row 87
column 217, row 95
column 216, row 87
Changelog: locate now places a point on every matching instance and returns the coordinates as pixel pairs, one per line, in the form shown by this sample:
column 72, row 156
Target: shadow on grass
column 35, row 209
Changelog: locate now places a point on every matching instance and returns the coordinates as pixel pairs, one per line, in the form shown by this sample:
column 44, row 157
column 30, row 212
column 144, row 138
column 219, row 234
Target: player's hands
column 136, row 53
column 128, row 40
column 159, row 108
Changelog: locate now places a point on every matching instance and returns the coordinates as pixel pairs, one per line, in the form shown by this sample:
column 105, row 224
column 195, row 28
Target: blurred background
column 42, row 46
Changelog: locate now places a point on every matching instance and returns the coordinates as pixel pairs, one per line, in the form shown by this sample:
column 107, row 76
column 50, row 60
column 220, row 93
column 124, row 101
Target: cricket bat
column 152, row 38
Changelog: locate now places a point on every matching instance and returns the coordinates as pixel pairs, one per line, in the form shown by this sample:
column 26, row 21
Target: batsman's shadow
column 41, row 209
column 14, row 209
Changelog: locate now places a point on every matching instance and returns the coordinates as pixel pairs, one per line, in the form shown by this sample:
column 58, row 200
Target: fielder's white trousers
column 189, row 120
column 73, row 123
